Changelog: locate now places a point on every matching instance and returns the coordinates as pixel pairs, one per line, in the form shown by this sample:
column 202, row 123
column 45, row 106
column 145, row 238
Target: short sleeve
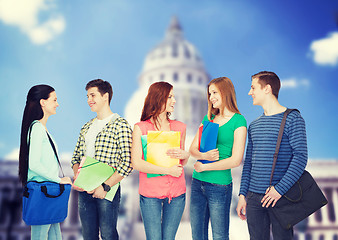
column 240, row 121
column 205, row 119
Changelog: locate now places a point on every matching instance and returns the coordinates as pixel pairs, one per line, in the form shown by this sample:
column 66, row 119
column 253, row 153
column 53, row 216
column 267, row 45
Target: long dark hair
column 157, row 97
column 32, row 112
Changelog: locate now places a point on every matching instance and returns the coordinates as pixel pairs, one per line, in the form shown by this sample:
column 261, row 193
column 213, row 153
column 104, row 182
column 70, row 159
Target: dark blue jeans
column 99, row 214
column 260, row 219
column 210, row 201
column 161, row 218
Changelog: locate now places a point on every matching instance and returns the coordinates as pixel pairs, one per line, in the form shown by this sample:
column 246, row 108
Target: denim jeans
column 99, row 214
column 161, row 218
column 47, row 231
column 260, row 218
column 210, row 201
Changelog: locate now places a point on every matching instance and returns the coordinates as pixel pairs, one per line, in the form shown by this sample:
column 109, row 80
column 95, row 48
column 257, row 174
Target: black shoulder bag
column 302, row 199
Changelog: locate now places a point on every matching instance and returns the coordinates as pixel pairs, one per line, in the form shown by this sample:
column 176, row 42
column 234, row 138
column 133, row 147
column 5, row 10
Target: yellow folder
column 158, row 143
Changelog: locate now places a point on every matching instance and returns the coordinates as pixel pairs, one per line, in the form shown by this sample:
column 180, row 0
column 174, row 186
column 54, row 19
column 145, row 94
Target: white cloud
column 325, row 51
column 13, row 155
column 24, row 15
column 294, row 83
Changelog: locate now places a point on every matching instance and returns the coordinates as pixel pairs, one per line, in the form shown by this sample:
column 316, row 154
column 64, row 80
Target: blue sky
column 68, row 43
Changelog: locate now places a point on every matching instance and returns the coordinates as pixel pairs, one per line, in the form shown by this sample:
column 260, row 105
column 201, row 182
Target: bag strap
column 44, row 190
column 279, row 140
column 51, row 143
column 56, row 154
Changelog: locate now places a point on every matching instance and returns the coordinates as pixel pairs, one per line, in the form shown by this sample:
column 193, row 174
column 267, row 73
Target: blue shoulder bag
column 45, row 202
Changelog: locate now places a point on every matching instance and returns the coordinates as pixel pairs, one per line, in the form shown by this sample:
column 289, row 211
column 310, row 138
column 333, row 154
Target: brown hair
column 228, row 95
column 157, row 97
column 102, row 86
column 271, row 78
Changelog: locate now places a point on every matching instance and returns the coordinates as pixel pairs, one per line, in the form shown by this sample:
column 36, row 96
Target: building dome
column 173, row 51
column 174, row 60
column 177, row 61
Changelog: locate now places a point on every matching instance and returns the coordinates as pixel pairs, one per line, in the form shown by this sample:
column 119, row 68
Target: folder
column 158, row 143
column 92, row 173
column 208, row 138
column 144, row 147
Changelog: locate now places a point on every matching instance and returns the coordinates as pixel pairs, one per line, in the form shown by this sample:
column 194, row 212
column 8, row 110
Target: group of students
column 110, row 139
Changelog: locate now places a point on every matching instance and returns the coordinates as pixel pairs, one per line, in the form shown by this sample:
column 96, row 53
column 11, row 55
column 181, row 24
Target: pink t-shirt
column 162, row 186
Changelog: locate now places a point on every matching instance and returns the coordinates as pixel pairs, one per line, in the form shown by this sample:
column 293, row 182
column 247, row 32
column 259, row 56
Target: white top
column 93, row 130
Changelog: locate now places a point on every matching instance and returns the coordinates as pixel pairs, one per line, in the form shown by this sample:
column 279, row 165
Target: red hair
column 155, row 101
column 228, row 95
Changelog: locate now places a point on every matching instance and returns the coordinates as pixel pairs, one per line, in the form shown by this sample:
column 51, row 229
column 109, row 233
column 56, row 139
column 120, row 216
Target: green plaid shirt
column 112, row 145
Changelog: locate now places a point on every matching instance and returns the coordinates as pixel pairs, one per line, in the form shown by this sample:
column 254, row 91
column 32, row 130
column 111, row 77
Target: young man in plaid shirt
column 106, row 138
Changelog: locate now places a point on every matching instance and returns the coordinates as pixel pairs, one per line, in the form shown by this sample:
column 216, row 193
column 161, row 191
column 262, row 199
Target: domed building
column 177, row 61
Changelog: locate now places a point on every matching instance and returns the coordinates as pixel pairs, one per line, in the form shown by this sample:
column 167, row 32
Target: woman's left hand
column 178, row 153
column 66, row 180
column 199, row 167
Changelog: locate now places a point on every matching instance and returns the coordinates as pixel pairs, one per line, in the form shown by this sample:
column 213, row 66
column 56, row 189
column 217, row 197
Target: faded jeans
column 161, row 218
column 210, row 201
column 47, row 231
column 99, row 214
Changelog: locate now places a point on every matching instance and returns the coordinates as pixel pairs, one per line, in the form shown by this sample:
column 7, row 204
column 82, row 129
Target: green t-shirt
column 225, row 141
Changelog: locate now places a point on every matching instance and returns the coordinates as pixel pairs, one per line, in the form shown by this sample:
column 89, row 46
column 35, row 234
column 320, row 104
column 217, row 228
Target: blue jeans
column 260, row 218
column 44, row 232
column 210, row 201
column 161, row 218
column 99, row 214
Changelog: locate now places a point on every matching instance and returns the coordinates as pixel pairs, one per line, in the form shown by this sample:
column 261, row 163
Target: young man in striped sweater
column 255, row 197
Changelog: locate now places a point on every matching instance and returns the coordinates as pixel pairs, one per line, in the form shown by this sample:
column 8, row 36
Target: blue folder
column 208, row 138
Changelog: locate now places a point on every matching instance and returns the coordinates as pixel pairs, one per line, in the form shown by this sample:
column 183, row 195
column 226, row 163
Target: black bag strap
column 279, row 140
column 44, row 190
column 56, row 154
column 51, row 143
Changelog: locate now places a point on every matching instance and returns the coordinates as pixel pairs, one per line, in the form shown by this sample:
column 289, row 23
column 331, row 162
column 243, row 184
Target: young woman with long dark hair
column 38, row 162
column 162, row 198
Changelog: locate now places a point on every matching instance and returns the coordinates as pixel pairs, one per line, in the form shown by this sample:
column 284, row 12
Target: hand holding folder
column 159, row 142
column 92, row 173
column 155, row 146
column 208, row 134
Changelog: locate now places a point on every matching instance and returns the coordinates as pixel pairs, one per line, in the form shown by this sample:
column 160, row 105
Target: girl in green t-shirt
column 211, row 188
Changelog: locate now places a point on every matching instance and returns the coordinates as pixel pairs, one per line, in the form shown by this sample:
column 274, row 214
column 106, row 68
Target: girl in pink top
column 162, row 198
